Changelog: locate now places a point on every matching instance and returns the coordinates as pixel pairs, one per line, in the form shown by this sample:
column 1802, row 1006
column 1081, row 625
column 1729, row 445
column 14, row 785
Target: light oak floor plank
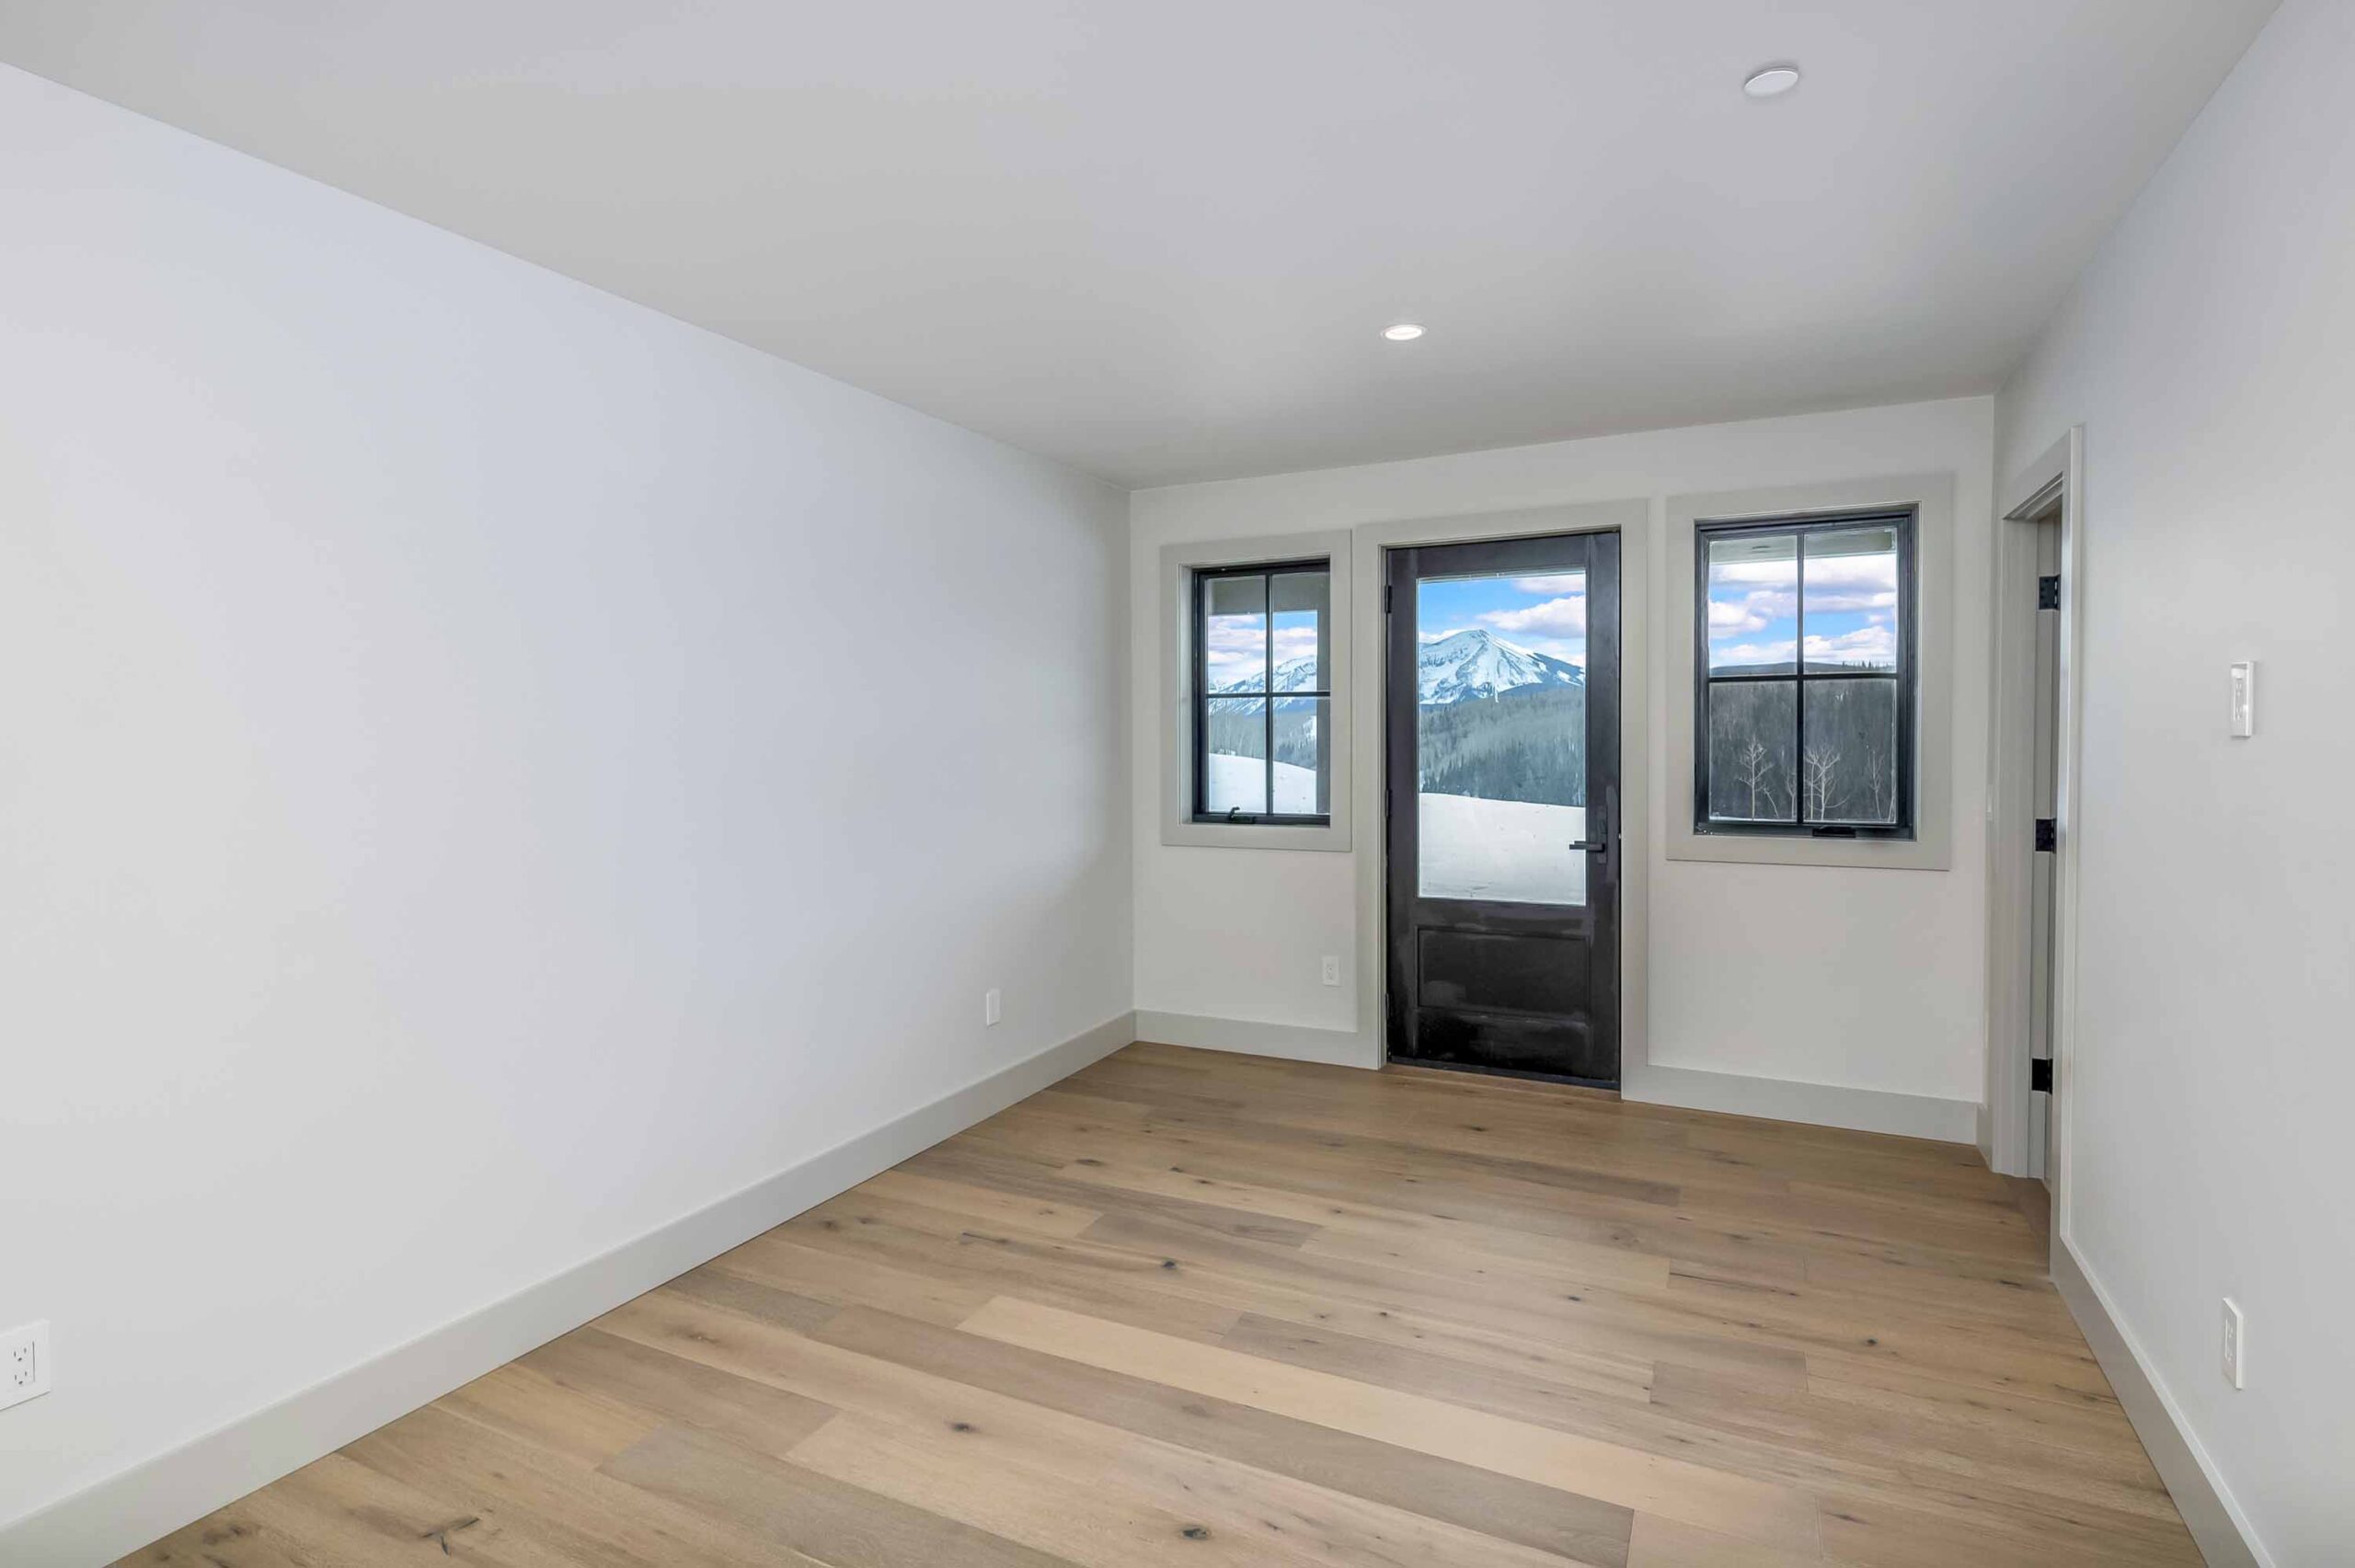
column 1187, row 1306
column 1612, row 1473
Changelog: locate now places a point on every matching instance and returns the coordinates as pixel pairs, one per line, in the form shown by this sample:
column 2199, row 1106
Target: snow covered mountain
column 1476, row 664
column 1289, row 676
column 1455, row 669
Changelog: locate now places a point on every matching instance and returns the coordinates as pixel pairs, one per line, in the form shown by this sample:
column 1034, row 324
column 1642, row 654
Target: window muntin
column 1806, row 676
column 1262, row 730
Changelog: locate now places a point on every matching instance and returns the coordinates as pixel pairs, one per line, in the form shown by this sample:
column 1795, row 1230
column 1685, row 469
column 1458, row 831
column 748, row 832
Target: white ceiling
column 1158, row 240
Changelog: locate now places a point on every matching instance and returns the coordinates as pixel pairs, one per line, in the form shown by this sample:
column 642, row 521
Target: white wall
column 2210, row 352
column 1741, row 957
column 484, row 770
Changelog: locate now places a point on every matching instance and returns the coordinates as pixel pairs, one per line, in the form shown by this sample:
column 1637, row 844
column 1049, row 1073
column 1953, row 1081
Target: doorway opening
column 1501, row 795
column 2044, row 797
column 2032, row 877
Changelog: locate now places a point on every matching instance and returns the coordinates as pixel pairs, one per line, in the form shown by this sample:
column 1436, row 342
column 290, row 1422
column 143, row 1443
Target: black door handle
column 1600, row 842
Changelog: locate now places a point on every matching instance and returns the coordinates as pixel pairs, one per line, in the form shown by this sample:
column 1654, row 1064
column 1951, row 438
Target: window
column 1804, row 675
column 1263, row 694
column 1231, row 772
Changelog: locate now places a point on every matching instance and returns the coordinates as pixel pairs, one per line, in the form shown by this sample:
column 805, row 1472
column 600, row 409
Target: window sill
column 1794, row 849
column 1256, row 835
column 1832, row 833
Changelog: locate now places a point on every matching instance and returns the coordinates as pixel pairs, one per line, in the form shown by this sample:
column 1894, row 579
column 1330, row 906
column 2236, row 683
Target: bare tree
column 1878, row 786
column 1755, row 771
column 1822, row 765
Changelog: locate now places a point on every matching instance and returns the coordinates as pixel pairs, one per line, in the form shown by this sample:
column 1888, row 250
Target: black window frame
column 1199, row 611
column 1905, row 521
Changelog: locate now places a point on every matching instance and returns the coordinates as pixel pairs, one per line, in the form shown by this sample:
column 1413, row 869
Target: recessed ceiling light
column 1404, row 332
column 1770, row 81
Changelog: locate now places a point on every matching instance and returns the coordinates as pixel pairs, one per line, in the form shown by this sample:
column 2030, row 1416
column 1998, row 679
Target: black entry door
column 1502, row 792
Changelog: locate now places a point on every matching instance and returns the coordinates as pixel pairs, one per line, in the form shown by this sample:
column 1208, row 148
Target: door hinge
column 2040, row 1075
column 2047, row 835
column 2048, row 593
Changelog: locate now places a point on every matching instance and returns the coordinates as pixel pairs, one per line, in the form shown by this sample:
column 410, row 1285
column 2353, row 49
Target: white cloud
column 1750, row 653
column 1784, row 574
column 1556, row 617
column 1852, row 571
column 1295, row 641
column 1563, row 585
column 1236, row 646
column 1873, row 645
column 1825, row 603
column 1234, row 643
column 1753, row 611
column 1867, row 572
column 1865, row 645
column 1756, row 614
column 1757, row 608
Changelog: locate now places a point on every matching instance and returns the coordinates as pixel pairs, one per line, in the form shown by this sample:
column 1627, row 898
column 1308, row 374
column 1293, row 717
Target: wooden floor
column 1213, row 1310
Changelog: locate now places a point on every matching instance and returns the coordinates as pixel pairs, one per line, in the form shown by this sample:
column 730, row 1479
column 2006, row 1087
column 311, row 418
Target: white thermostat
column 2243, row 701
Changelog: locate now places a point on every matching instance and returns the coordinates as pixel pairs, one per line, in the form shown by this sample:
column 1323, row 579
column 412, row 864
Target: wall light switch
column 2243, row 701
column 993, row 1006
column 1329, row 971
column 24, row 1363
column 2235, row 1344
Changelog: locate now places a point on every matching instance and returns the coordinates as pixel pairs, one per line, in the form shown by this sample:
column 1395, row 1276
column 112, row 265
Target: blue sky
column 1544, row 614
column 1851, row 601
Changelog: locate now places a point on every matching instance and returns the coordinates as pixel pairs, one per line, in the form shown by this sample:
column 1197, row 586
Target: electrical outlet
column 1330, row 970
column 2235, row 1344
column 24, row 1363
column 993, row 1006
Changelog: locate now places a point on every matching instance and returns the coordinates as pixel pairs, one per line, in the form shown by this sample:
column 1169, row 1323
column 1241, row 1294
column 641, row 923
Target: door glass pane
column 1500, row 734
column 1235, row 766
column 1235, row 634
column 1850, row 770
column 1852, row 599
column 1753, row 602
column 1753, row 728
column 1304, row 755
column 1299, row 606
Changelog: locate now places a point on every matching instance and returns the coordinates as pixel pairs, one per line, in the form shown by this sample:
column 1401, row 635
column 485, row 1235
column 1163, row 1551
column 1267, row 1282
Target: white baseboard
column 1822, row 1105
column 158, row 1495
column 1290, row 1042
column 2215, row 1521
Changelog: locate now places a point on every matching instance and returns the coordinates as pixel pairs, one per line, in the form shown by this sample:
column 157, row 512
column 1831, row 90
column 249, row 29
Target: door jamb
column 2056, row 474
column 1634, row 521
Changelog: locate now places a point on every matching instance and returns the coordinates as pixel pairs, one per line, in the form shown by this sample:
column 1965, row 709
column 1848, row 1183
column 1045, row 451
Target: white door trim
column 2056, row 474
